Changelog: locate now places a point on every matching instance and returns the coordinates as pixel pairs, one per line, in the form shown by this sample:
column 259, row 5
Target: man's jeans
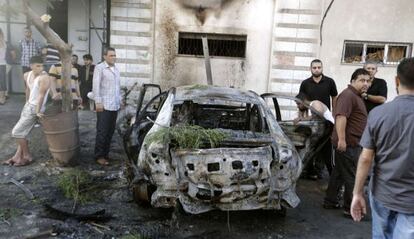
column 389, row 224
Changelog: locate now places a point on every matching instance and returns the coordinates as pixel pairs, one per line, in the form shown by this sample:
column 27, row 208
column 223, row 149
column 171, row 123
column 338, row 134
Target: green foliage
column 188, row 136
column 75, row 184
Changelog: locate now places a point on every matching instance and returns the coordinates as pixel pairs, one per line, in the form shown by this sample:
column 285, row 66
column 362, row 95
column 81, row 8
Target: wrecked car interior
column 244, row 157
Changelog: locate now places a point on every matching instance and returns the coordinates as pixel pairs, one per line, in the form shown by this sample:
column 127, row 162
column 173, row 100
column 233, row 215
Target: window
column 382, row 52
column 218, row 44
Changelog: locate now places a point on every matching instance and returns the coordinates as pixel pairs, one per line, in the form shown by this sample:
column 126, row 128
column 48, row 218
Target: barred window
column 382, row 52
column 219, row 44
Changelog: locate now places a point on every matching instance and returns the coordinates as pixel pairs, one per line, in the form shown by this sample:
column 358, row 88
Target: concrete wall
column 370, row 20
column 251, row 18
column 78, row 28
column 295, row 44
column 132, row 37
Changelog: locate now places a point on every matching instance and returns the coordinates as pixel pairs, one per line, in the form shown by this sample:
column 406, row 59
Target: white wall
column 78, row 28
column 252, row 18
column 370, row 20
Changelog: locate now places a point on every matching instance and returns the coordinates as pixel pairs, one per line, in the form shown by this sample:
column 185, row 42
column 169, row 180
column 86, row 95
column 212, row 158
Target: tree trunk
column 65, row 51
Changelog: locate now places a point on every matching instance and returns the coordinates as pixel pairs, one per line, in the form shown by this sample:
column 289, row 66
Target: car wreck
column 253, row 162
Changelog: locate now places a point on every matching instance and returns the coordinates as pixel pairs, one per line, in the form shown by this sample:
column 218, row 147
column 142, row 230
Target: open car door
column 308, row 136
column 149, row 103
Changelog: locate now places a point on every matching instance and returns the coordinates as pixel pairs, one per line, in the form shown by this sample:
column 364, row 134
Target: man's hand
column 40, row 115
column 358, row 207
column 296, row 120
column 341, row 146
column 57, row 96
column 364, row 96
column 99, row 107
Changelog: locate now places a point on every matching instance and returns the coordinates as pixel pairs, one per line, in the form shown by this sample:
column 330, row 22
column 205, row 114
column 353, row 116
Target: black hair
column 405, row 72
column 358, row 72
column 108, row 49
column 302, row 96
column 315, row 61
column 87, row 57
column 36, row 60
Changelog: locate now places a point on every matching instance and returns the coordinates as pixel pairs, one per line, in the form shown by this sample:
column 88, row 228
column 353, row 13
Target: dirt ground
column 21, row 217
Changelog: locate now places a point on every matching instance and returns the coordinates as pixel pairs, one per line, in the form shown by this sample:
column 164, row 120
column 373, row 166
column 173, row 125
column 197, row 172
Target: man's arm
column 340, row 126
column 358, row 206
column 96, row 89
column 44, row 85
column 77, row 88
column 334, row 98
column 26, row 87
column 376, row 99
column 381, row 95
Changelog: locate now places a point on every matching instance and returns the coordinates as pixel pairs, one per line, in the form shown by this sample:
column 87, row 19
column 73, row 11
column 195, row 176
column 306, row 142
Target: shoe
column 331, row 206
column 102, row 162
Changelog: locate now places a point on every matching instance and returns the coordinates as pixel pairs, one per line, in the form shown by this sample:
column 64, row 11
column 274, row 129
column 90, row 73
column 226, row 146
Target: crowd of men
column 42, row 75
column 369, row 138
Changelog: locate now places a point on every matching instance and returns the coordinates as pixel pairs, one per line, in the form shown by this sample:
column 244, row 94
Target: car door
column 146, row 113
column 308, row 136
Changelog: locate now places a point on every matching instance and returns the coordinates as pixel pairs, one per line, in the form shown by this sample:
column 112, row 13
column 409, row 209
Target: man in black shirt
column 322, row 88
column 377, row 92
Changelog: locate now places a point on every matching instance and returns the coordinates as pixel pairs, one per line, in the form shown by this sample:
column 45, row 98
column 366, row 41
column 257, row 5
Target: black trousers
column 343, row 174
column 320, row 160
column 105, row 127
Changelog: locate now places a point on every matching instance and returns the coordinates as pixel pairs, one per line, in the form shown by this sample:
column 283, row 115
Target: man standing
column 37, row 87
column 74, row 61
column 322, row 88
column 28, row 48
column 377, row 92
column 85, row 77
column 388, row 142
column 350, row 120
column 107, row 95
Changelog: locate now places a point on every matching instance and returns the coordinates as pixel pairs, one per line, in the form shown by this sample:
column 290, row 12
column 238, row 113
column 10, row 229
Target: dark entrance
column 59, row 13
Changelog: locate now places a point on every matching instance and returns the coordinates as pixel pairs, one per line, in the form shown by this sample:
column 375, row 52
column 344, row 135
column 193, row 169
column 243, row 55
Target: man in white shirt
column 107, row 95
column 37, row 84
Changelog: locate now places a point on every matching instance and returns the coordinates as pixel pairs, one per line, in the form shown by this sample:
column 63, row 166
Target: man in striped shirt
column 28, row 48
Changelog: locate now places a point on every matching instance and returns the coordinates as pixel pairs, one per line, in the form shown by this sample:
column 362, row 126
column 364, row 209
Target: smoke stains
column 168, row 52
column 202, row 8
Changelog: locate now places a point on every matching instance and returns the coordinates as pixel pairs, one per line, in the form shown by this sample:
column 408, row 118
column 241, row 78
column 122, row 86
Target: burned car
column 208, row 147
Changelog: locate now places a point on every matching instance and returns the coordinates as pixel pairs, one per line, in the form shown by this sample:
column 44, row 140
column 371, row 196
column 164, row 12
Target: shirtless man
column 37, row 87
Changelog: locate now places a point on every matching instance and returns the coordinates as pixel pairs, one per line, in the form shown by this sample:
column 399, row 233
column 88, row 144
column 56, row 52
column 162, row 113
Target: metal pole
column 207, row 60
column 8, row 74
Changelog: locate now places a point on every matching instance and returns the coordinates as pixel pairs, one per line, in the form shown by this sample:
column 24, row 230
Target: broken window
column 219, row 44
column 233, row 116
column 381, row 52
